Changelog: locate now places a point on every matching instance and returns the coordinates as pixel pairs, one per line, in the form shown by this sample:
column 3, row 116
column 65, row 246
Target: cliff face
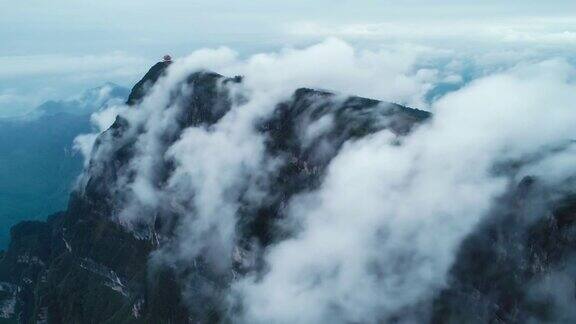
column 123, row 251
column 140, row 88
column 516, row 268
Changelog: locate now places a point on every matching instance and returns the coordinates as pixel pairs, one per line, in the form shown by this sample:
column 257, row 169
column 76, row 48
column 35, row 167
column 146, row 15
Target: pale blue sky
column 53, row 49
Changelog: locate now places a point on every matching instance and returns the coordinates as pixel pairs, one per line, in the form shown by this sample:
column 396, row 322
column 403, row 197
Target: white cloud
column 381, row 233
column 531, row 30
column 101, row 121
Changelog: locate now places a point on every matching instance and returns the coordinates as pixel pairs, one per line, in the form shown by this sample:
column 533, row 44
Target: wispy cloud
column 558, row 32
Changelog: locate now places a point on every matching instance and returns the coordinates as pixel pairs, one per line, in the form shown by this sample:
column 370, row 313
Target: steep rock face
column 83, row 266
column 139, row 90
column 517, row 267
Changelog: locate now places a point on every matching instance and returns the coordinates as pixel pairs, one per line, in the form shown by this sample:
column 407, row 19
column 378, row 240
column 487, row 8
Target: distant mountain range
column 37, row 164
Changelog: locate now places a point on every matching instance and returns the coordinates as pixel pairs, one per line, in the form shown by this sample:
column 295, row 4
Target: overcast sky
column 53, row 49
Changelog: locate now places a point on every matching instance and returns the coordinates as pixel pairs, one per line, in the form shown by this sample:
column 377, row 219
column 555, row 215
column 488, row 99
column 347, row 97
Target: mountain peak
column 139, row 90
column 96, row 247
